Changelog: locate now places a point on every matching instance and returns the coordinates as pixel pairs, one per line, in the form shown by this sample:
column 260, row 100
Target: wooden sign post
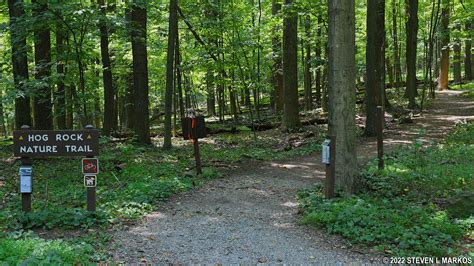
column 45, row 143
column 91, row 167
column 193, row 129
column 26, row 195
column 329, row 159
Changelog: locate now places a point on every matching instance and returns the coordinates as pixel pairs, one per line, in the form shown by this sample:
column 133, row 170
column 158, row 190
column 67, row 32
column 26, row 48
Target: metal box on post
column 326, row 152
column 193, row 128
column 26, row 179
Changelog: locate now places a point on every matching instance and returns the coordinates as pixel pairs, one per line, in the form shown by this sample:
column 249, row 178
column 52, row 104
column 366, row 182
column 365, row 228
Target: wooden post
column 331, row 170
column 197, row 155
column 91, row 191
column 26, row 197
column 380, row 126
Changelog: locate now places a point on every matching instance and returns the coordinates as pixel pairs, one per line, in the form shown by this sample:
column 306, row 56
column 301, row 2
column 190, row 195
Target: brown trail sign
column 42, row 143
column 194, row 128
column 45, row 143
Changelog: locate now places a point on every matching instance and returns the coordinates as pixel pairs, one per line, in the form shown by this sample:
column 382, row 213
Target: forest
column 390, row 82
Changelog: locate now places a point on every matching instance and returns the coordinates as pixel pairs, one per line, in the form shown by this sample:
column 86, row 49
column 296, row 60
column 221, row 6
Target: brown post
column 26, row 197
column 331, row 170
column 91, row 191
column 380, row 126
column 197, row 155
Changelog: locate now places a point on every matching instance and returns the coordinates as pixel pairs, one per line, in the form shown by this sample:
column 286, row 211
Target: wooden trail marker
column 194, row 128
column 26, row 162
column 329, row 146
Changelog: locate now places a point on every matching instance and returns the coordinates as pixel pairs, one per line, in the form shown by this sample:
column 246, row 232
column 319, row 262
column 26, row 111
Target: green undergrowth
column 468, row 87
column 34, row 251
column 132, row 181
column 421, row 204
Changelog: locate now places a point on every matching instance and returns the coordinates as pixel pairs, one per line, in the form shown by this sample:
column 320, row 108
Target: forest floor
column 251, row 216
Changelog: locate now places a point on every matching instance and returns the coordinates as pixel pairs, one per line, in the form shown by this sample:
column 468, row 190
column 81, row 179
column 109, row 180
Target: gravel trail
column 252, row 217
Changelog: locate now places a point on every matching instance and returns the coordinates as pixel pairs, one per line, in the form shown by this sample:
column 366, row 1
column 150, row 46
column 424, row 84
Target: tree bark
column 468, row 70
column 457, row 60
column 70, row 106
column 397, row 70
column 3, row 128
column 375, row 63
column 291, row 118
column 172, row 33
column 211, row 95
column 43, row 115
column 20, row 63
column 444, row 63
column 307, row 67
column 109, row 91
column 412, row 34
column 140, row 71
column 318, row 57
column 341, row 89
column 179, row 85
column 60, row 95
column 277, row 62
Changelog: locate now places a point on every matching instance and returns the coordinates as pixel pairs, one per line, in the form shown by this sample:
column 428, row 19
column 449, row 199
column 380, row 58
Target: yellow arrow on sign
column 89, row 136
column 20, row 138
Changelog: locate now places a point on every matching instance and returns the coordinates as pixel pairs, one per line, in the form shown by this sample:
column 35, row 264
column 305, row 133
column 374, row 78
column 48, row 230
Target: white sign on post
column 25, row 184
column 25, row 179
column 325, row 156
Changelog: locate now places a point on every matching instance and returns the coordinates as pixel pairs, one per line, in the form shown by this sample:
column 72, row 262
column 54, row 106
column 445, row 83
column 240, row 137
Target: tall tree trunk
column 187, row 91
column 172, row 33
column 389, row 70
column 457, row 56
column 341, row 88
column 179, row 85
column 291, row 118
column 457, row 59
column 129, row 94
column 211, row 95
column 259, row 74
column 60, row 95
column 412, row 35
column 318, row 57
column 277, row 63
column 375, row 63
column 324, row 101
column 444, row 63
column 431, row 42
column 140, row 71
column 308, row 94
column 468, row 70
column 20, row 63
column 43, row 115
column 70, row 106
column 109, row 92
column 396, row 55
column 129, row 103
column 3, row 128
column 97, row 113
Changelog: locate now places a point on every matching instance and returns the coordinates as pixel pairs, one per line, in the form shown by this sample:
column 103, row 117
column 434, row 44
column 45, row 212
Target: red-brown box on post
column 193, row 128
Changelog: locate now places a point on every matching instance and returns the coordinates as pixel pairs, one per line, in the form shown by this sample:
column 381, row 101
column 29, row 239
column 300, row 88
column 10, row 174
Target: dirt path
column 252, row 215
